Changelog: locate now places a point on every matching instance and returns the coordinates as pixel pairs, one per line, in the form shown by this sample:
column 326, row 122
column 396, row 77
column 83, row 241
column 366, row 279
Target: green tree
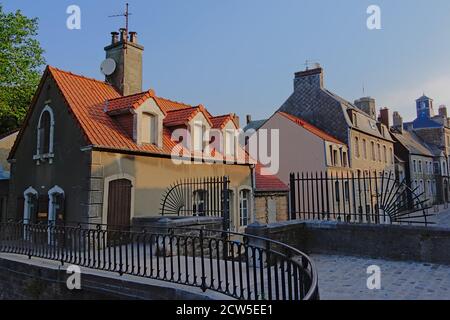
column 21, row 63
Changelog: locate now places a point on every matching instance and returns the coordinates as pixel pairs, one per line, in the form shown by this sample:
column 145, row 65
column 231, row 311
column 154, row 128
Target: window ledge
column 43, row 157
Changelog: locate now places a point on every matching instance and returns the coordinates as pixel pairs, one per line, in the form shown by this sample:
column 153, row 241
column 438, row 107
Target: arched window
column 45, row 134
column 244, row 207
column 374, row 158
column 365, row 149
column 385, row 154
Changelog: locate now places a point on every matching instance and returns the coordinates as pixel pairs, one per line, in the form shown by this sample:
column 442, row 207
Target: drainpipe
column 253, row 173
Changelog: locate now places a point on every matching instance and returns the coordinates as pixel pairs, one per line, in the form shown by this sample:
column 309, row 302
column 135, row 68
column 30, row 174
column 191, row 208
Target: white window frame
column 50, row 155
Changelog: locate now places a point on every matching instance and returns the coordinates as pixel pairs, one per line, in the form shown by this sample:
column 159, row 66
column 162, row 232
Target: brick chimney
column 443, row 111
column 398, row 121
column 309, row 78
column 384, row 117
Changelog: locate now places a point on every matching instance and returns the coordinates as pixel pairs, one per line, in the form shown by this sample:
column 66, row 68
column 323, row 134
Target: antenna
column 126, row 14
column 309, row 63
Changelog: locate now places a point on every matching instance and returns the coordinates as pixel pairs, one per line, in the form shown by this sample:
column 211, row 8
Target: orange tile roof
column 128, row 102
column 219, row 122
column 314, row 130
column 268, row 182
column 86, row 99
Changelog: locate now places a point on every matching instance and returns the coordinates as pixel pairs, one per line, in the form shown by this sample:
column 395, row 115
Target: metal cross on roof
column 126, row 14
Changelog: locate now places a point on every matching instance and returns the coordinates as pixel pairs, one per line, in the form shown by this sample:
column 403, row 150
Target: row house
column 429, row 175
column 370, row 146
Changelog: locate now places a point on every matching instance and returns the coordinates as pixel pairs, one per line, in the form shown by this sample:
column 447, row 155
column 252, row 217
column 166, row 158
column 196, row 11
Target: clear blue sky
column 240, row 55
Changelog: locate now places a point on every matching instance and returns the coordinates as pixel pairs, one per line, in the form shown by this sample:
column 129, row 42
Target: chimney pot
column 123, row 35
column 249, row 119
column 133, row 37
column 114, row 37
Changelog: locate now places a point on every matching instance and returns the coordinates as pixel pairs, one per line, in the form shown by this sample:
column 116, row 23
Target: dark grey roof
column 329, row 112
column 413, row 143
column 255, row 125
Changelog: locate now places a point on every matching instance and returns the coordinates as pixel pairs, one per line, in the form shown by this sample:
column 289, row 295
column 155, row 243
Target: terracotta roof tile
column 314, row 130
column 268, row 182
column 86, row 99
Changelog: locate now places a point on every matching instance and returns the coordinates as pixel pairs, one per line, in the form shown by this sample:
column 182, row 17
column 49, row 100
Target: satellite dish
column 108, row 67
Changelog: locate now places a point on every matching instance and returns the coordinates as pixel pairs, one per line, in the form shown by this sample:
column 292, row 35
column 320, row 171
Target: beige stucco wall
column 365, row 163
column 300, row 150
column 5, row 147
column 152, row 176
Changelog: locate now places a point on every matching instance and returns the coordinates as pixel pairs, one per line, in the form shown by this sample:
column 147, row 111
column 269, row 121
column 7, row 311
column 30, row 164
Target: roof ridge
column 177, row 102
column 51, row 68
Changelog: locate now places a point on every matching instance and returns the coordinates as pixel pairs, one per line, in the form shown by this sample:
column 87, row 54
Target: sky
column 241, row 55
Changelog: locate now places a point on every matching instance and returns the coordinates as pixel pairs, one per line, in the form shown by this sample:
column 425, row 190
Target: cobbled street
column 345, row 278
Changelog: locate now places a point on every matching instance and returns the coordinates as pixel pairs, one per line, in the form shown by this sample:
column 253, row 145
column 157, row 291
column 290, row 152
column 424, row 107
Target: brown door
column 119, row 204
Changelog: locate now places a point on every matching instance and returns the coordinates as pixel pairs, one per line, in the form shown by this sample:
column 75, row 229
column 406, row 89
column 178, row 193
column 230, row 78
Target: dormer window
column 149, row 128
column 230, row 143
column 199, row 136
column 45, row 136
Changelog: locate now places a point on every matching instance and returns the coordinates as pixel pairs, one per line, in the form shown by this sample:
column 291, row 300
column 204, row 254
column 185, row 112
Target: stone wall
column 271, row 207
column 407, row 243
column 22, row 279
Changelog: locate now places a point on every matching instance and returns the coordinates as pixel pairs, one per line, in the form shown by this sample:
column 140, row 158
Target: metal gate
column 356, row 198
column 201, row 197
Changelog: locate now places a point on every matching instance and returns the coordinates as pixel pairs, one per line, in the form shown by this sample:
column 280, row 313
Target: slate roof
column 328, row 111
column 413, row 143
column 87, row 98
column 254, row 125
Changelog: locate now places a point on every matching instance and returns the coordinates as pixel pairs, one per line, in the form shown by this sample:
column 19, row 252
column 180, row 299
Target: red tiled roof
column 219, row 122
column 167, row 105
column 128, row 102
column 268, row 182
column 86, row 99
column 314, row 130
column 180, row 117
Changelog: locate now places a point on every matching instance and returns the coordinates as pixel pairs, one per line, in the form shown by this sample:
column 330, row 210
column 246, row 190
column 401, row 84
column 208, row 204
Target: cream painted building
column 305, row 148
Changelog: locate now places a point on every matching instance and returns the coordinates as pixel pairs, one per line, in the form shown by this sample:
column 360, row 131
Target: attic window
column 355, row 119
column 149, row 128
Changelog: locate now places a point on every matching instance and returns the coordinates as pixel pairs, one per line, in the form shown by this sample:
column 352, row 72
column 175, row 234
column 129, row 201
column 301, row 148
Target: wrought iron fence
column 204, row 197
column 372, row 197
column 251, row 269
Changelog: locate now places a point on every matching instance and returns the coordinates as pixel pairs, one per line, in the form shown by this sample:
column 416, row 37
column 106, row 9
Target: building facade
column 370, row 146
column 103, row 151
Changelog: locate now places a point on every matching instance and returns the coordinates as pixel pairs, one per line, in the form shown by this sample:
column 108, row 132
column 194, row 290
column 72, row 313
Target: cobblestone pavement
column 345, row 278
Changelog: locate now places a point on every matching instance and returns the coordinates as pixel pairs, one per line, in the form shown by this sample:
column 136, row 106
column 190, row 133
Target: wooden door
column 119, row 204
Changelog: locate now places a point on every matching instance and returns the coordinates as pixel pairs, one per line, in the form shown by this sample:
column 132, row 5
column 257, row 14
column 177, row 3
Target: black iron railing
column 239, row 266
column 372, row 197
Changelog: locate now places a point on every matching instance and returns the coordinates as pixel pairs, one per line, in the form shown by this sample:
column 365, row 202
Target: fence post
column 293, row 215
column 226, row 209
